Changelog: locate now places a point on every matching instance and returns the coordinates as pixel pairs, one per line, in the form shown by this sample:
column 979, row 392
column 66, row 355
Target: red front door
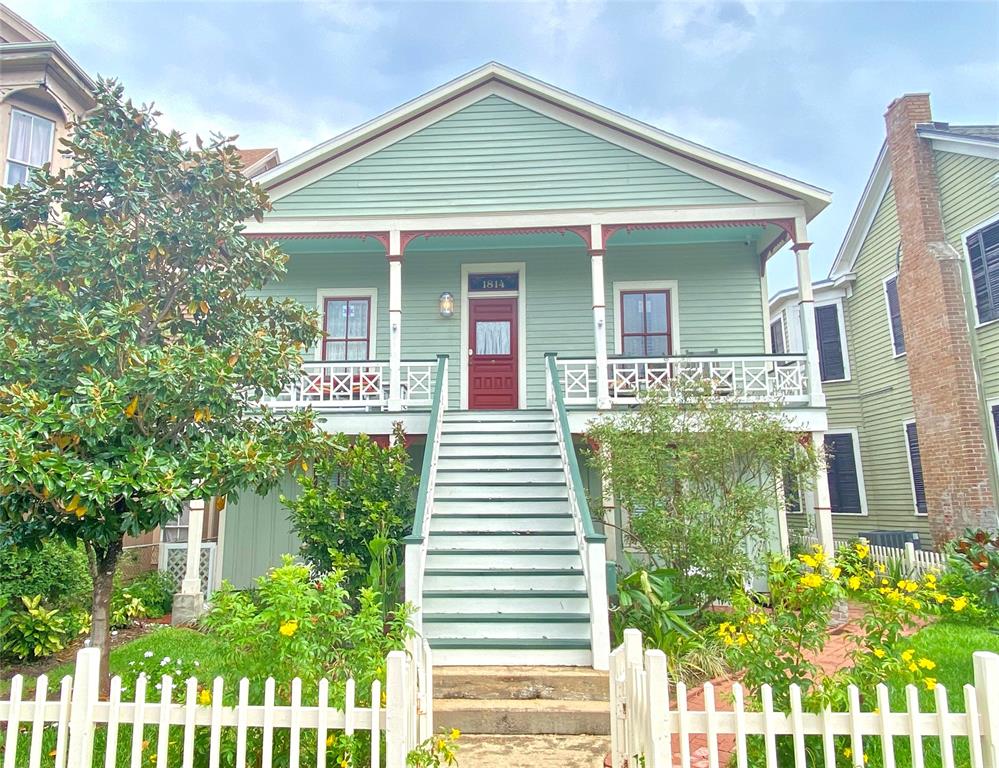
column 492, row 353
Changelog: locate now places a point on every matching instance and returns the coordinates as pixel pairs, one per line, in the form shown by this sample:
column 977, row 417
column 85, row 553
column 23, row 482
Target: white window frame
column 859, row 464
column 623, row 286
column 908, row 460
column 10, row 141
column 841, row 317
column 891, row 332
column 354, row 293
column 969, row 280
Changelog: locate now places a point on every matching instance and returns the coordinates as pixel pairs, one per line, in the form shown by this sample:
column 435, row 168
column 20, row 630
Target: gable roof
column 493, row 77
column 256, row 161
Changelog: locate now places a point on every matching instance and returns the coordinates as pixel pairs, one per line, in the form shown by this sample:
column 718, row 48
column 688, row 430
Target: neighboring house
column 908, row 343
column 257, row 161
column 42, row 91
column 495, row 220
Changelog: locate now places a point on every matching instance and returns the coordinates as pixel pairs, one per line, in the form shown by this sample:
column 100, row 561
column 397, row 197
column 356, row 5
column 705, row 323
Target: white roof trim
column 814, row 198
column 249, row 170
column 823, row 289
column 863, row 216
column 960, row 145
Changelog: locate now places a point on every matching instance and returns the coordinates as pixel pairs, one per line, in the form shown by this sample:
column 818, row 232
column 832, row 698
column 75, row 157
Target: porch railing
column 745, row 378
column 357, row 385
column 591, row 544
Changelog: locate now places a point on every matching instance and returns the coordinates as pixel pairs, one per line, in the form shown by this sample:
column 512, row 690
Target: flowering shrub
column 777, row 645
column 973, row 574
column 435, row 752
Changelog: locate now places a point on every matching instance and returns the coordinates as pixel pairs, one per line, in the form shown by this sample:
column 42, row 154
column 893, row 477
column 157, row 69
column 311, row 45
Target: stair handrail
column 592, row 545
column 415, row 542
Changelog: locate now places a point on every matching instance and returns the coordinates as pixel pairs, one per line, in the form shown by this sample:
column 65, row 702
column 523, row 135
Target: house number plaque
column 504, row 282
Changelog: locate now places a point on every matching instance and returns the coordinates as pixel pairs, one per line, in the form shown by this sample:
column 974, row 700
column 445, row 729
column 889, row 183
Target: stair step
column 500, row 506
column 505, row 642
column 521, row 683
column 540, row 426
column 492, row 540
column 507, row 523
column 498, row 462
column 543, row 437
column 538, row 558
column 522, row 716
column 541, row 629
column 498, row 450
column 497, row 475
column 531, row 492
column 512, row 579
column 542, row 602
column 524, row 415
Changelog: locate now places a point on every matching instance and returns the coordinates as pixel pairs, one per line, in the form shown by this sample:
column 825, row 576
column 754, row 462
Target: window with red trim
column 645, row 324
column 347, row 328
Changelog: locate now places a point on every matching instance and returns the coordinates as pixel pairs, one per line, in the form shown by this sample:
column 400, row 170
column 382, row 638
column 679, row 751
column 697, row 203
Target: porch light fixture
column 446, row 304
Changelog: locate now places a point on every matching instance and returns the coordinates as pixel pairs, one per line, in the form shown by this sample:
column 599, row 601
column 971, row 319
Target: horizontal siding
column 878, row 399
column 969, row 196
column 257, row 534
column 497, row 155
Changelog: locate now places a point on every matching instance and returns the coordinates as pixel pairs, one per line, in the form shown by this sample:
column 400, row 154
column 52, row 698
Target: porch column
column 189, row 603
column 395, row 321
column 820, row 497
column 599, row 313
column 806, row 305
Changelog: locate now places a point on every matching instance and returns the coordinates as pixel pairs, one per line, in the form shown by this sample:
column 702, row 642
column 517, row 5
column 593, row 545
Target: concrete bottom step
column 518, row 716
column 557, row 751
column 521, row 682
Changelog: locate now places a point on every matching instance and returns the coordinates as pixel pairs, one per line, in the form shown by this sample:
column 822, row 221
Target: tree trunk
column 102, row 567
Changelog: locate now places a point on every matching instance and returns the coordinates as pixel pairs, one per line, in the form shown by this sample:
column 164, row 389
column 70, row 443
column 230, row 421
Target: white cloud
column 717, row 28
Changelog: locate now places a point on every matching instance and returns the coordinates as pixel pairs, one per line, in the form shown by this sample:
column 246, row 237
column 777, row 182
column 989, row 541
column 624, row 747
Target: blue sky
column 799, row 87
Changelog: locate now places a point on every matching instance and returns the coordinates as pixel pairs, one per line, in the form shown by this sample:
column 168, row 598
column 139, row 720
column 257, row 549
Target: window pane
column 492, row 337
column 655, row 346
column 634, row 346
column 777, row 337
column 16, row 174
column 336, row 350
column 41, row 141
column 357, row 324
column 357, row 350
column 633, row 310
column 336, row 318
column 20, row 137
column 656, row 318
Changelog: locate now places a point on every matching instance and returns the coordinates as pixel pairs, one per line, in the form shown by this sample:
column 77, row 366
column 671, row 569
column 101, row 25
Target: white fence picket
column 643, row 724
column 77, row 713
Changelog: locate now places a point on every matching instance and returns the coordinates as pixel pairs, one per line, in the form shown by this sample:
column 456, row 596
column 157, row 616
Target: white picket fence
column 648, row 729
column 917, row 561
column 405, row 720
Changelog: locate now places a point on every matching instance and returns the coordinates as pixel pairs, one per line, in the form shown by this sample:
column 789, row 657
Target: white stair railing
column 592, row 545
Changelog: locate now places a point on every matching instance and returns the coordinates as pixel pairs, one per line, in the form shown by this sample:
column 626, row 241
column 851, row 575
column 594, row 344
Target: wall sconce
column 446, row 304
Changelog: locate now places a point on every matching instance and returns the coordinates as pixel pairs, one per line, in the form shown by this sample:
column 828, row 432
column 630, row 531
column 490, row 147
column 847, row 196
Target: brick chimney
column 952, row 442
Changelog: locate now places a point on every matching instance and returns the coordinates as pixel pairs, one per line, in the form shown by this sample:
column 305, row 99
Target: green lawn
column 951, row 646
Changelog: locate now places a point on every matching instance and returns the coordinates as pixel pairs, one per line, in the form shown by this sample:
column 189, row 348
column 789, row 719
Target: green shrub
column 33, row 633
column 973, row 573
column 57, row 572
column 353, row 509
column 647, row 601
column 126, row 609
column 155, row 589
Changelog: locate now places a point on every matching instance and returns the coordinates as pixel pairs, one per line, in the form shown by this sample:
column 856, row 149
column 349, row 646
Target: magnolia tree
column 134, row 357
column 702, row 479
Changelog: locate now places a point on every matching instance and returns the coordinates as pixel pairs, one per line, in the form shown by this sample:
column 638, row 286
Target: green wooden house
column 494, row 263
column 889, row 468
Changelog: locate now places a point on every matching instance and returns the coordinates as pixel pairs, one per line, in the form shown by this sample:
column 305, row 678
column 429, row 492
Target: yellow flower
column 152, row 758
column 725, row 627
column 940, row 597
column 862, row 550
column 930, row 683
column 835, row 571
column 913, row 667
column 288, row 628
column 329, row 740
column 927, row 664
column 811, row 580
column 853, row 583
column 205, row 696
column 847, row 753
column 345, row 763
column 810, row 561
column 907, row 655
column 879, row 652
column 455, row 733
column 960, row 603
column 440, row 744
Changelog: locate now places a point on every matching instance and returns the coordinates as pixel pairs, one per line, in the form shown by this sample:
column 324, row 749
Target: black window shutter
column 831, row 365
column 777, row 336
column 844, row 485
column 895, row 315
column 917, row 467
column 995, row 421
column 983, row 253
